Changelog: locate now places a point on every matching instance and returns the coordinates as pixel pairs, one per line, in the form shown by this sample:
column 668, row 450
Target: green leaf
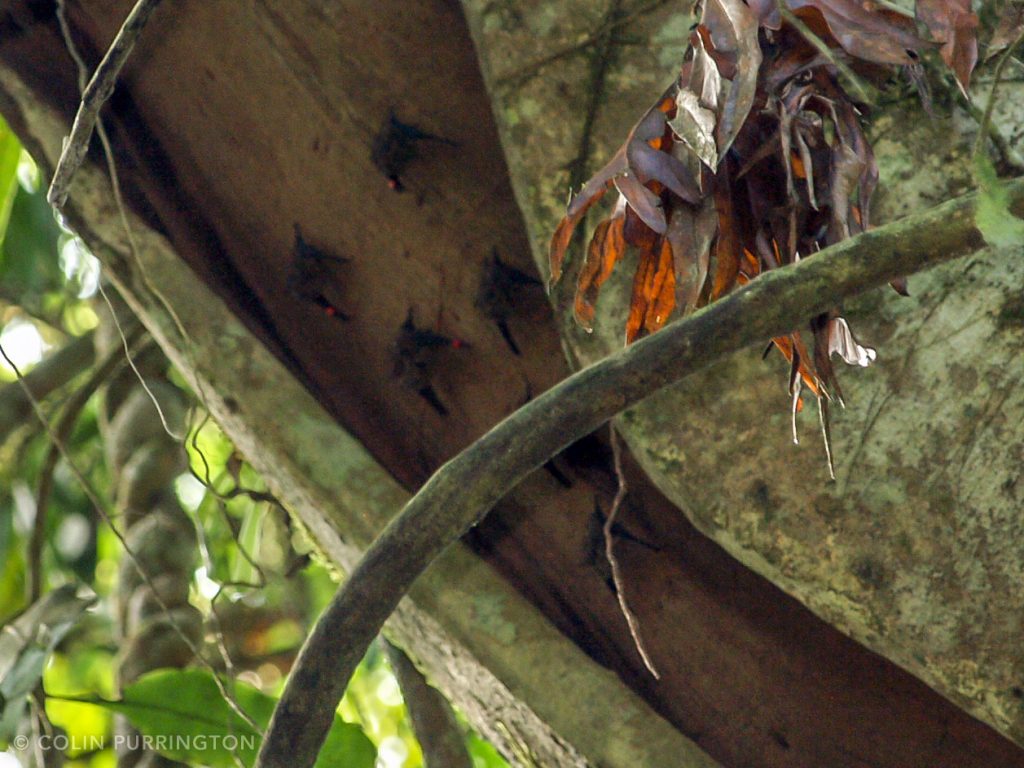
column 999, row 227
column 27, row 642
column 187, row 719
column 29, row 251
column 249, row 540
column 10, row 154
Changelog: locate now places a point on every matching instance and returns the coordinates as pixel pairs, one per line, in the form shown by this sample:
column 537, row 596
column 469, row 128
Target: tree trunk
column 915, row 550
column 237, row 121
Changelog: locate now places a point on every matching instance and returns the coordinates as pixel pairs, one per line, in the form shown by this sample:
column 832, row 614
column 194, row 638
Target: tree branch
column 462, row 491
column 62, row 428
column 47, row 377
column 95, row 95
column 433, row 720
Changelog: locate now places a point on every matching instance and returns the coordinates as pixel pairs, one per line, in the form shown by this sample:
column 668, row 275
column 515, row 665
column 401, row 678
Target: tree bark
column 489, row 649
column 908, row 552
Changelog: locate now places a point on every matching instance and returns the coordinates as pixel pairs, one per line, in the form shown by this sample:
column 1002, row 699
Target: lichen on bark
column 915, row 550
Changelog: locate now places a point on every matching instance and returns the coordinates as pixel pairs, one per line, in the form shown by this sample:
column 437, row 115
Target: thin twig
column 214, row 618
column 229, row 667
column 461, row 492
column 115, row 183
column 140, row 15
column 95, row 95
column 609, row 553
column 1008, row 157
column 50, row 758
column 222, row 498
column 124, row 343
column 206, row 479
column 997, row 76
column 528, row 71
column 62, row 429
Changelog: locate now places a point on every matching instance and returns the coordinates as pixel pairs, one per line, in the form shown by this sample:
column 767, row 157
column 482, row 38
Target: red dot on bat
column 393, row 183
column 331, row 311
column 458, row 343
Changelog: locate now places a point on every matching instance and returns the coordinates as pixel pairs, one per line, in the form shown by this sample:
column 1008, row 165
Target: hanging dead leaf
column 867, row 33
column 733, row 32
column 689, row 237
column 952, row 23
column 755, row 157
column 606, row 248
column 695, row 118
column 631, row 169
column 841, row 341
column 728, row 245
column 653, row 296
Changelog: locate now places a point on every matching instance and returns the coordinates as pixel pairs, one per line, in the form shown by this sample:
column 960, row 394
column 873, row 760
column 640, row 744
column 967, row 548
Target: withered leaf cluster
column 754, row 158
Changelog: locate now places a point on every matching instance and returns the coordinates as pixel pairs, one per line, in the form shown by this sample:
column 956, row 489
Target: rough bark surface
column 238, row 120
column 916, row 550
column 481, row 642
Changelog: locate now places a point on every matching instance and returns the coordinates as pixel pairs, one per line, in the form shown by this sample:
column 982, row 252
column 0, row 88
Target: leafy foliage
column 754, row 158
column 26, row 644
column 184, row 711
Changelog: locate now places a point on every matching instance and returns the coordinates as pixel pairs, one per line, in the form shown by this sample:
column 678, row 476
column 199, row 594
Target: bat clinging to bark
column 309, row 274
column 395, row 146
column 416, row 354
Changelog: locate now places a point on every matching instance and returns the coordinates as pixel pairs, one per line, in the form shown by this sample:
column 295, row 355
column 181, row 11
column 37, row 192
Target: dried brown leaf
column 695, row 126
column 864, row 32
column 563, row 233
column 733, row 32
column 653, row 296
column 728, row 249
column 643, row 201
column 689, row 237
column 606, row 248
column 696, row 104
column 952, row 23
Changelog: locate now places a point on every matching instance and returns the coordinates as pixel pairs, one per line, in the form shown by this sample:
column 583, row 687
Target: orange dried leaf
column 653, row 297
column 787, row 345
column 606, row 248
column 661, row 292
column 563, row 234
column 645, row 269
column 798, row 166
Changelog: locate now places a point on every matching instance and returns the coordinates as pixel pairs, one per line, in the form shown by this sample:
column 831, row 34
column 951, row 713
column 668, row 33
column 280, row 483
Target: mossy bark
column 915, row 551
